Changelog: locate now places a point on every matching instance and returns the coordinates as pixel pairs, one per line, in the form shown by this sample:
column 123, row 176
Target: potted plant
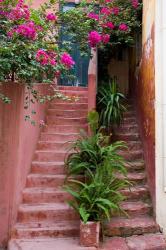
column 95, row 200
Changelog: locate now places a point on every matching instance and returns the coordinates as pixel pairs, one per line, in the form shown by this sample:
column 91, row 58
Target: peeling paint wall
column 145, row 92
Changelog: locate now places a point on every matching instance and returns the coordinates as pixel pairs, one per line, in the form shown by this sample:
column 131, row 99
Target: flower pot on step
column 89, row 234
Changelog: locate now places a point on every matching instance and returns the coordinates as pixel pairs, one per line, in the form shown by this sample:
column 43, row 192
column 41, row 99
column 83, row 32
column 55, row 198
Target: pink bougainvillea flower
column 27, row 30
column 115, row 10
column 67, row 60
column 108, row 1
column 53, row 62
column 105, row 38
column 135, row 4
column 42, row 123
column 94, row 16
column 21, row 11
column 110, row 25
column 42, row 57
column 106, row 11
column 123, row 27
column 51, row 17
column 94, row 38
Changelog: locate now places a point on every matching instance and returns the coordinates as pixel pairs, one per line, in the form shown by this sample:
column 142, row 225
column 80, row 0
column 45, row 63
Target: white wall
column 160, row 107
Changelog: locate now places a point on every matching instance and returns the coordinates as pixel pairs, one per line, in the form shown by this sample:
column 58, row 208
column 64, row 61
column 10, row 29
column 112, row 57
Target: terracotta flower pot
column 89, row 234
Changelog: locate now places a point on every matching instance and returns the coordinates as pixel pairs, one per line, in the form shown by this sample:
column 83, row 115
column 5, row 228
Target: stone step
column 130, row 114
column 136, row 192
column 45, row 195
column 63, row 137
column 78, row 100
column 66, row 121
column 45, row 180
column 147, row 242
column 54, row 243
column 48, row 168
column 67, row 113
column 46, row 229
column 131, row 226
column 51, row 145
column 136, row 208
column 65, row 128
column 127, row 129
column 75, row 88
column 51, row 155
column 127, row 137
column 134, row 177
column 46, row 212
column 129, row 120
column 134, row 145
column 135, row 166
column 69, row 106
column 131, row 155
column 74, row 93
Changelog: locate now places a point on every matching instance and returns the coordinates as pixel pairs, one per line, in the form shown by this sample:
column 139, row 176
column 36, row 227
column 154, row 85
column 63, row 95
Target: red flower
column 110, row 25
column 123, row 27
column 105, row 38
column 51, row 17
column 94, row 38
column 135, row 4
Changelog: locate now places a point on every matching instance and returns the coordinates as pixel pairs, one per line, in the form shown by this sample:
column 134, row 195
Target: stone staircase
column 46, row 222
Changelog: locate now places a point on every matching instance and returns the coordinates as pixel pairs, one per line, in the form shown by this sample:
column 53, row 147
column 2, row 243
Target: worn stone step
column 147, row 242
column 48, row 167
column 74, row 93
column 136, row 208
column 127, row 129
column 51, row 145
column 45, row 195
column 127, row 137
column 134, row 145
column 66, row 121
column 67, row 113
column 63, row 137
column 129, row 120
column 135, row 166
column 130, row 114
column 131, row 155
column 78, row 100
column 46, row 212
column 69, row 106
column 134, row 177
column 75, row 88
column 136, row 192
column 65, row 128
column 131, row 226
column 46, row 229
column 45, row 180
column 51, row 155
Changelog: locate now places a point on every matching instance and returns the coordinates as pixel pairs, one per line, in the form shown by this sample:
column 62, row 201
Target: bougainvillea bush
column 28, row 44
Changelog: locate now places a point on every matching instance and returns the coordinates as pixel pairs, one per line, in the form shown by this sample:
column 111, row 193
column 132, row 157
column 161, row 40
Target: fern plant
column 111, row 104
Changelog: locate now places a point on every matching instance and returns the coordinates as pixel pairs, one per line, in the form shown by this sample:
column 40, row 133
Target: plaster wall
column 160, row 106
column 18, row 140
column 145, row 93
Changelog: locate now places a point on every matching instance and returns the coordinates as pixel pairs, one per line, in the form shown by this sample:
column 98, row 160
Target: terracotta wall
column 145, row 92
column 18, row 140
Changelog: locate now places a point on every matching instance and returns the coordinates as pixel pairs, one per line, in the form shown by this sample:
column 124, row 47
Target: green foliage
column 110, row 104
column 93, row 120
column 100, row 196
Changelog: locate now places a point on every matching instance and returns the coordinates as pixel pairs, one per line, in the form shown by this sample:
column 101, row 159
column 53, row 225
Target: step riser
column 79, row 101
column 45, row 145
column 127, row 231
column 52, row 215
column 68, row 114
column 65, row 129
column 59, row 137
column 126, row 129
column 44, row 197
column 71, row 88
column 48, row 170
column 52, row 182
column 136, row 195
column 71, row 93
column 138, row 212
column 69, row 106
column 55, row 121
column 130, row 114
column 19, row 234
column 133, row 168
column 50, row 156
column 132, row 156
column 134, row 146
column 127, row 138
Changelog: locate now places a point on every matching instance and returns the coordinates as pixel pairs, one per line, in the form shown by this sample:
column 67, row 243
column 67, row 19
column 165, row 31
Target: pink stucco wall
column 18, row 140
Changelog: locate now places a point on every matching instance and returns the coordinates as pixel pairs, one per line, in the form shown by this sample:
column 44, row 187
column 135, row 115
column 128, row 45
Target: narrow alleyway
column 46, row 222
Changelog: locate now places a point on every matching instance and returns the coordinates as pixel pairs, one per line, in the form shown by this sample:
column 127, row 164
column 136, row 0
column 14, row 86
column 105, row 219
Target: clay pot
column 89, row 234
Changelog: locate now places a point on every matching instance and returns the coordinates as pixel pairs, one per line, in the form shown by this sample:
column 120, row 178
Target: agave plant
column 111, row 104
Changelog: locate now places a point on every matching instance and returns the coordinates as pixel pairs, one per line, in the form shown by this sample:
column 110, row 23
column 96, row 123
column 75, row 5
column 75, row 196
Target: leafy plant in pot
column 96, row 200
